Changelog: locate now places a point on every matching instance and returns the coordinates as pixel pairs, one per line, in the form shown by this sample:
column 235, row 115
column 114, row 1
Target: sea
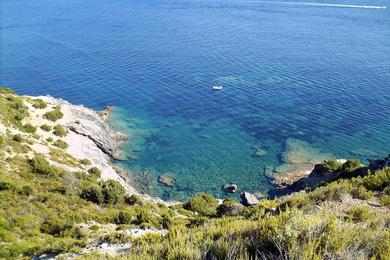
column 298, row 77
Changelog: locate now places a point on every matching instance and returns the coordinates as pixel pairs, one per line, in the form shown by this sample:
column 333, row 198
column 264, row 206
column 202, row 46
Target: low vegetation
column 54, row 115
column 39, row 103
column 60, row 144
column 59, row 130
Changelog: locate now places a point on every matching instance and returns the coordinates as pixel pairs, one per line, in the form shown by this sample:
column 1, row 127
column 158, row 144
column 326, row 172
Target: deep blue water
column 316, row 73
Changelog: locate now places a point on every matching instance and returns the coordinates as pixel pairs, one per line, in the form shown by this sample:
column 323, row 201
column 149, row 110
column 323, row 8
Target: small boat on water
column 217, row 87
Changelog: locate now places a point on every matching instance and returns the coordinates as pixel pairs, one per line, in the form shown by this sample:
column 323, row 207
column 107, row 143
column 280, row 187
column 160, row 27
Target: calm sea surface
column 318, row 72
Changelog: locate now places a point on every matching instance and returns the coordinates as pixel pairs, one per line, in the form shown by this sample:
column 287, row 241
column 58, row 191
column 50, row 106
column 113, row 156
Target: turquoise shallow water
column 314, row 72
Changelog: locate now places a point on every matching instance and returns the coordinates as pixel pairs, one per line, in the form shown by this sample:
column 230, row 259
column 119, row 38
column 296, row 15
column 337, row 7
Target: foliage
column 39, row 103
column 60, row 131
column 28, row 128
column 18, row 138
column 46, row 127
column 54, row 115
column 203, row 203
column 351, row 168
column 41, row 166
column 85, row 162
column 61, row 144
column 112, row 191
column 331, row 165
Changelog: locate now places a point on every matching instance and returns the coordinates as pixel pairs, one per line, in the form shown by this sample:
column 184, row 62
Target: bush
column 26, row 190
column 92, row 193
column 6, row 91
column 94, row 173
column 331, row 166
column 54, row 226
column 1, row 139
column 18, row 138
column 54, row 115
column 133, row 199
column 28, row 128
column 202, row 203
column 39, row 103
column 85, row 162
column 61, row 144
column 113, row 192
column 125, row 217
column 377, row 181
column 361, row 192
column 360, row 214
column 46, row 128
column 4, row 185
column 49, row 139
column 229, row 207
column 350, row 169
column 41, row 166
column 144, row 216
column 60, row 131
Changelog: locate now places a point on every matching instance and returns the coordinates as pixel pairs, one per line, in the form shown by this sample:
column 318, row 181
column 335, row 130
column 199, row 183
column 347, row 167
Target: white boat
column 217, row 87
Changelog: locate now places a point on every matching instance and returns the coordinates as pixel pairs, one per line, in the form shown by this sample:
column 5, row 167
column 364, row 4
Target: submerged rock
column 258, row 152
column 230, row 188
column 167, row 180
column 249, row 199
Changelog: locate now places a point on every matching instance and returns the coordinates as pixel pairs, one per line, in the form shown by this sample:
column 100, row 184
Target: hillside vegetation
column 53, row 203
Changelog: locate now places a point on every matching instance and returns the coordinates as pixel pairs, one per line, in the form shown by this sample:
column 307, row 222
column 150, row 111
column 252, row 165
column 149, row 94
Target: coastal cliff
column 61, row 198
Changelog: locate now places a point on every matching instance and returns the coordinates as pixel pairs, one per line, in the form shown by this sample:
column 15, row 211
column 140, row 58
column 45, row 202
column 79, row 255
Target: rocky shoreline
column 91, row 136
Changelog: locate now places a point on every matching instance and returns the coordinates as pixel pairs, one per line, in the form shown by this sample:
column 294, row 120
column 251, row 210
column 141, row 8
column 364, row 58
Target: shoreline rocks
column 249, row 199
column 230, row 188
column 167, row 180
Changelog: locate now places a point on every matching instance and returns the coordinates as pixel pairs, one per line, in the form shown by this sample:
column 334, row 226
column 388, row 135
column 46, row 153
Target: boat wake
column 323, row 4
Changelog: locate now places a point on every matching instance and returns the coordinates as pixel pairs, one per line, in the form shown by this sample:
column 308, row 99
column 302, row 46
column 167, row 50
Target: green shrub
column 166, row 221
column 6, row 91
column 46, row 128
column 39, row 103
column 61, row 144
column 92, row 193
column 1, row 139
column 133, row 199
column 49, row 139
column 125, row 217
column 385, row 199
column 230, row 207
column 55, row 226
column 18, row 138
column 113, row 192
column 351, row 168
column 144, row 216
column 94, row 173
column 377, row 181
column 60, row 131
column 54, row 115
column 361, row 192
column 26, row 190
column 41, row 166
column 28, row 128
column 202, row 203
column 331, row 165
column 85, row 162
column 4, row 185
column 360, row 214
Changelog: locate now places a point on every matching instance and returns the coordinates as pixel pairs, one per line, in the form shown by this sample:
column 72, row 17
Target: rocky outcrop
column 230, row 188
column 91, row 125
column 248, row 199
